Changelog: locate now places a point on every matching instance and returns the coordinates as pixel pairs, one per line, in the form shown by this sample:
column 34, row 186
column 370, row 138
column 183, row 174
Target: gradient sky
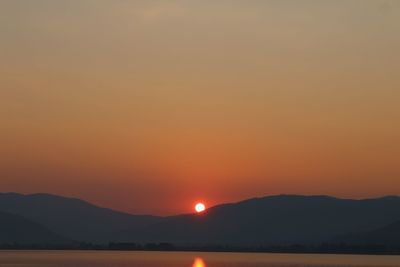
column 148, row 106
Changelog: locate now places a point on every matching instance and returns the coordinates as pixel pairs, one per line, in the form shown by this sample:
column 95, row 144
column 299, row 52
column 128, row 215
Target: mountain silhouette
column 388, row 235
column 15, row 229
column 274, row 220
column 72, row 218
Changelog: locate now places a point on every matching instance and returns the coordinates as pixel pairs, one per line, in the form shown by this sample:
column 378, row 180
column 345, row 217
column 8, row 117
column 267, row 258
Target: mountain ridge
column 16, row 229
column 71, row 217
column 272, row 220
column 268, row 220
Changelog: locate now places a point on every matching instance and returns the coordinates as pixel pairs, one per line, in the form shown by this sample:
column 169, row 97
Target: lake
column 186, row 259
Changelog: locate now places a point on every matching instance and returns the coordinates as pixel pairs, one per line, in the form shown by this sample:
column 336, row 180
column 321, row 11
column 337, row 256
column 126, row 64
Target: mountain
column 388, row 235
column 15, row 229
column 72, row 218
column 274, row 220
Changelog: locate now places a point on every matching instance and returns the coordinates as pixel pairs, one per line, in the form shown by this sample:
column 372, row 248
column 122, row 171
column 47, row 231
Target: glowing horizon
column 147, row 107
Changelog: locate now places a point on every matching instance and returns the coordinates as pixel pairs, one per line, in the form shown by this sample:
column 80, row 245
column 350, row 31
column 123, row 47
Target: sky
column 150, row 106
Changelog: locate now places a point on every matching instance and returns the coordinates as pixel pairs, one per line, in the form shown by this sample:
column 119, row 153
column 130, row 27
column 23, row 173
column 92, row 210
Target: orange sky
column 149, row 106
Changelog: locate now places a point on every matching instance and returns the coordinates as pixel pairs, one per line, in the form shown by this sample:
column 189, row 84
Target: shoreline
column 354, row 250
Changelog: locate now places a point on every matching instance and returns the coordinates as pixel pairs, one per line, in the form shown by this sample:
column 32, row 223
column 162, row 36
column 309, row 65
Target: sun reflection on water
column 198, row 262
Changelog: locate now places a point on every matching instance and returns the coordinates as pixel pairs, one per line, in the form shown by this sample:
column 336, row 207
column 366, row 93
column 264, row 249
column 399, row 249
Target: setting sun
column 198, row 262
column 200, row 207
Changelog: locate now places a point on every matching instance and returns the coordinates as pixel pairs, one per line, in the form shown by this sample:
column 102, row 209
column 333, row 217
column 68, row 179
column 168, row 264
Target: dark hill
column 15, row 229
column 275, row 220
column 388, row 235
column 73, row 218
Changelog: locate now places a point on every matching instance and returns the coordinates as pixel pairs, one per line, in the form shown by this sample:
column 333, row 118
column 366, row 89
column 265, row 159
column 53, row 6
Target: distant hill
column 388, row 235
column 15, row 229
column 72, row 218
column 274, row 220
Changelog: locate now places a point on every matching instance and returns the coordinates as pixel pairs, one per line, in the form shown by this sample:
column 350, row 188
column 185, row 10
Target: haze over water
column 187, row 259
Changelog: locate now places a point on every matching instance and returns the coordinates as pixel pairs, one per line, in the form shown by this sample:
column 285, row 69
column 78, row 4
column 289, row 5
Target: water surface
column 186, row 259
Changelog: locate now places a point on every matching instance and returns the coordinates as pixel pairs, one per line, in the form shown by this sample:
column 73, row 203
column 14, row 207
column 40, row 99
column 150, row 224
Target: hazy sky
column 148, row 106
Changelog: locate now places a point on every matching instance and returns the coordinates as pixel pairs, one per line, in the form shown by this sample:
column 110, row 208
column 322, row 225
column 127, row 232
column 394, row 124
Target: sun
column 199, row 207
column 198, row 262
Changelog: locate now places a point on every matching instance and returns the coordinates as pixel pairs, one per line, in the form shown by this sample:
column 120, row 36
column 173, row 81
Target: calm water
column 184, row 259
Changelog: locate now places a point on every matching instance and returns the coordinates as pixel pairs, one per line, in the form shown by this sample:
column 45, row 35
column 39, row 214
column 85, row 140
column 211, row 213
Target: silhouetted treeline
column 148, row 246
column 322, row 249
